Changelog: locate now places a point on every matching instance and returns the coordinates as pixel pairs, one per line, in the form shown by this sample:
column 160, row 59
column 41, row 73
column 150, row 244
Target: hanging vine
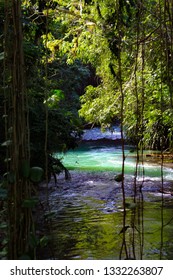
column 20, row 220
column 119, row 28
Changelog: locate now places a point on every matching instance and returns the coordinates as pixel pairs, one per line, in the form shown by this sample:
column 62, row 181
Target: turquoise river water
column 88, row 213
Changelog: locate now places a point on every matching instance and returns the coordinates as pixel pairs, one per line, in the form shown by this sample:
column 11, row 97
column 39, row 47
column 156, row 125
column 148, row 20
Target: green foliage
column 52, row 84
column 108, row 32
column 129, row 46
column 53, row 100
column 93, row 109
column 36, row 174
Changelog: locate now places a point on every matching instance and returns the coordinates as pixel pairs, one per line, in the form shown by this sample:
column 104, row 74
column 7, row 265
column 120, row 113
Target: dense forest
column 67, row 65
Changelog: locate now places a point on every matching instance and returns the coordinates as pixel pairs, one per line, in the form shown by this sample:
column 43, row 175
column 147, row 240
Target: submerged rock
column 118, row 178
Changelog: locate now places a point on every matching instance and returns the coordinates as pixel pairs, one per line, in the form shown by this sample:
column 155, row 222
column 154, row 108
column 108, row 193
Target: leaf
column 44, row 241
column 10, row 177
column 59, row 93
column 6, row 143
column 1, row 55
column 7, row 159
column 56, row 96
column 36, row 174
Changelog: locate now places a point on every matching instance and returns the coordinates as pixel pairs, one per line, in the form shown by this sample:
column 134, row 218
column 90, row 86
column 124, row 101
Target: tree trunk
column 20, row 217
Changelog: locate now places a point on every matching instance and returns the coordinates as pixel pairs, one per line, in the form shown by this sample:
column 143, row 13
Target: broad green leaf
column 36, row 174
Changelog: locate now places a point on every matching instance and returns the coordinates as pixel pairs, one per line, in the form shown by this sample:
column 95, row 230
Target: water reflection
column 81, row 230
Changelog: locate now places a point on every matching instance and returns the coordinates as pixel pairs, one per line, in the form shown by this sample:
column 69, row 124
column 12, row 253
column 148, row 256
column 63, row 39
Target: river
column 87, row 212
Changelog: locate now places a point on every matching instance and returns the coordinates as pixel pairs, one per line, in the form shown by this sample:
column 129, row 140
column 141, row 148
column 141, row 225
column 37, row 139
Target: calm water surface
column 82, row 232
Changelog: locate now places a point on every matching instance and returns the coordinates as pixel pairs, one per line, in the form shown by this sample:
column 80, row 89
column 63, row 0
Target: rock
column 118, row 178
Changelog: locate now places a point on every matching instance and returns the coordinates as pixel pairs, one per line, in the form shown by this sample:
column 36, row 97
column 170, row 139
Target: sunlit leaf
column 59, row 93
